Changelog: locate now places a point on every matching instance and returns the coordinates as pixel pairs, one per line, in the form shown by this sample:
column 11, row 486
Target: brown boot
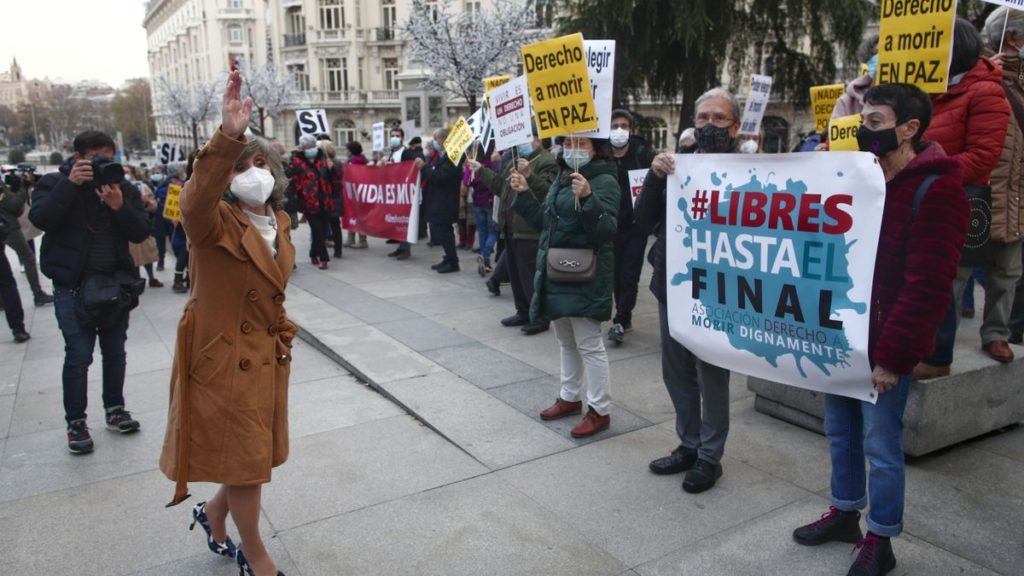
column 926, row 371
column 591, row 424
column 999, row 351
column 561, row 409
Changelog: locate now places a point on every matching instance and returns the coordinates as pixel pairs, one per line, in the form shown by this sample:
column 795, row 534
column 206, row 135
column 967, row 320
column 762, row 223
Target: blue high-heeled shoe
column 227, row 548
column 243, row 565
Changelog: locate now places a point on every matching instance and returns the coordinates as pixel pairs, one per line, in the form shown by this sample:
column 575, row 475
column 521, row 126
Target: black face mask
column 878, row 142
column 711, row 138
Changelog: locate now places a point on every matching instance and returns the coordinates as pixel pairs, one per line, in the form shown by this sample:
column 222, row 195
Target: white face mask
column 748, row 147
column 619, row 137
column 253, row 186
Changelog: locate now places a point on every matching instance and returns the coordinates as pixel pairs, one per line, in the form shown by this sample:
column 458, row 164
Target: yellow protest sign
column 842, row 133
column 492, row 82
column 823, row 101
column 172, row 205
column 915, row 43
column 863, row 70
column 459, row 138
column 556, row 73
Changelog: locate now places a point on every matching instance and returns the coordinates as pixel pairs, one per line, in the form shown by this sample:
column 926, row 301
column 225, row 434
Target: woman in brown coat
column 228, row 417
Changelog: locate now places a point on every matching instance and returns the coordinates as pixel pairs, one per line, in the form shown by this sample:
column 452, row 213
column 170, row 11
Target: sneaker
column 120, row 420
column 616, row 334
column 79, row 440
column 179, row 286
column 875, row 557
column 702, row 476
column 20, row 335
column 481, row 266
column 42, row 299
column 833, row 526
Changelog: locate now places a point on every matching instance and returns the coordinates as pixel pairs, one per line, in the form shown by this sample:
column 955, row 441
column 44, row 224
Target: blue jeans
column 486, row 229
column 79, row 342
column 978, row 275
column 856, row 429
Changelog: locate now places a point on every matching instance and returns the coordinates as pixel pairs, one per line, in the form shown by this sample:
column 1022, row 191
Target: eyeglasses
column 720, row 120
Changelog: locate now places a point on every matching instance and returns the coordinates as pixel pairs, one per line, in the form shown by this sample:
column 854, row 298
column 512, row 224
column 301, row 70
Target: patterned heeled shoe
column 243, row 565
column 227, row 548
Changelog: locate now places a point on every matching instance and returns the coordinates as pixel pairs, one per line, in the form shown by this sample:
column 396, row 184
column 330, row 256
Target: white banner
column 600, row 55
column 511, row 114
column 313, row 121
column 757, row 101
column 1018, row 4
column 378, row 137
column 636, row 182
column 770, row 261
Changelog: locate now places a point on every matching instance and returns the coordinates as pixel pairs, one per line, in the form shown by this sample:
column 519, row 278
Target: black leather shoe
column 536, row 327
column 833, row 526
column 680, row 460
column 447, row 268
column 702, row 477
column 438, row 265
column 494, row 287
column 515, row 320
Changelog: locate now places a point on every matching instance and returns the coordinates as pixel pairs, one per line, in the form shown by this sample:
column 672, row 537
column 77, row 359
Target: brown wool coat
column 1008, row 176
column 228, row 417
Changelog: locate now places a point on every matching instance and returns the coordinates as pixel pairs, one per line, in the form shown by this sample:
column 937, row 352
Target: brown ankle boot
column 561, row 409
column 591, row 424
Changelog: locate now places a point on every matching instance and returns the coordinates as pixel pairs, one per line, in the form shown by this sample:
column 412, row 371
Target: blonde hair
column 328, row 147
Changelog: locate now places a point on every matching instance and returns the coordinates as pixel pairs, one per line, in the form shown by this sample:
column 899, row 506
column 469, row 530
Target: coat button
column 279, row 299
column 244, row 363
column 252, row 295
column 246, row 327
column 283, row 360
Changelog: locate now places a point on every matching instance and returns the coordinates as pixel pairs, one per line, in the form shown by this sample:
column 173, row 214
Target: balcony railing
column 384, row 35
column 293, row 40
column 291, row 3
column 331, row 35
column 231, row 13
column 355, row 97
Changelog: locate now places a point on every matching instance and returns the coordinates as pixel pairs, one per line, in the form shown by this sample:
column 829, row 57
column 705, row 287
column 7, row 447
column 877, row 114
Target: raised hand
column 235, row 116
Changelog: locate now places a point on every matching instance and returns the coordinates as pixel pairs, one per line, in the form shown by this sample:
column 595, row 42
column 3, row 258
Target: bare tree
column 272, row 91
column 463, row 48
column 190, row 104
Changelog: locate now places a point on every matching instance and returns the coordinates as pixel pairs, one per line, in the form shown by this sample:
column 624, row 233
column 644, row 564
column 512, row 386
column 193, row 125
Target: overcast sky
column 75, row 39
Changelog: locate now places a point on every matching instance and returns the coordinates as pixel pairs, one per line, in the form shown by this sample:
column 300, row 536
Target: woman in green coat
column 580, row 211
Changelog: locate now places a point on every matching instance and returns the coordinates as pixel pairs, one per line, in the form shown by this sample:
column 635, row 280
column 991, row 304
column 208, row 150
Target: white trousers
column 582, row 345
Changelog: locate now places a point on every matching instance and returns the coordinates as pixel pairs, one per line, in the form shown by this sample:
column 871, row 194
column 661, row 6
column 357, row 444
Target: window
column 389, row 15
column 344, row 132
column 332, row 15
column 335, row 77
column 235, row 34
column 299, row 75
column 390, row 73
column 295, row 21
column 235, row 4
column 413, row 110
column 362, row 79
column 434, row 109
column 545, row 13
column 472, row 9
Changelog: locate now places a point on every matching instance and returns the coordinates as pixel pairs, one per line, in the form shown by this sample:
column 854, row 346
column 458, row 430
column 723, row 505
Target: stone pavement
column 475, row 483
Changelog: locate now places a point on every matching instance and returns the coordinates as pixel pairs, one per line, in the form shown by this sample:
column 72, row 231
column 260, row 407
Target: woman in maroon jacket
column 924, row 224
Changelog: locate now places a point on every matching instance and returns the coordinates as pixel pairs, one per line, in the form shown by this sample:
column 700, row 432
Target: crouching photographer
column 89, row 214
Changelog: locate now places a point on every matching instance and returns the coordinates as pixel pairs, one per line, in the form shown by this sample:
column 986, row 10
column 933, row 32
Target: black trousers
column 444, row 234
column 629, row 263
column 500, row 273
column 319, row 227
column 335, row 228
column 521, row 256
column 9, row 293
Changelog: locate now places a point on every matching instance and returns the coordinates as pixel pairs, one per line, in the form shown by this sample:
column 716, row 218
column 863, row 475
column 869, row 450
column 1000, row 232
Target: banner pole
column 1003, row 37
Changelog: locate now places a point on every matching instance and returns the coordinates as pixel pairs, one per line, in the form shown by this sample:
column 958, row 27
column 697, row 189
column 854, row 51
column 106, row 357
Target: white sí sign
column 313, row 121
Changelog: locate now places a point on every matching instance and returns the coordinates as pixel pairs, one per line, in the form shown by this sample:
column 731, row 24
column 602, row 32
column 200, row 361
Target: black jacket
column 638, row 157
column 442, row 182
column 66, row 212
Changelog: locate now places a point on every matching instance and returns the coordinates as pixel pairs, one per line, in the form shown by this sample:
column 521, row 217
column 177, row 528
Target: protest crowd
column 564, row 216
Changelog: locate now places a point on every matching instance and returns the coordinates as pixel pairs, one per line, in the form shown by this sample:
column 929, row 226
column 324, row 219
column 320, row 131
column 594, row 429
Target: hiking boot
column 875, row 558
column 79, row 440
column 20, row 335
column 834, row 526
column 702, row 476
column 120, row 420
column 680, row 460
column 561, row 409
column 591, row 424
column 616, row 334
column 42, row 299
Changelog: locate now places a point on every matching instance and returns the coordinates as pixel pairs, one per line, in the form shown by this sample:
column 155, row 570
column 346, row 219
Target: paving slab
column 333, row 403
column 765, row 546
column 351, row 468
column 496, row 434
column 483, row 366
column 475, row 527
column 1008, row 442
column 310, row 365
column 479, row 325
column 421, row 334
column 10, row 373
column 607, row 492
column 532, row 396
column 374, row 355
column 209, row 563
column 6, row 412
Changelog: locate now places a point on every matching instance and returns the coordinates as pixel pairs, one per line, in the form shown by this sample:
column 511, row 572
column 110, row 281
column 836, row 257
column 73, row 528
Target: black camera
column 106, row 171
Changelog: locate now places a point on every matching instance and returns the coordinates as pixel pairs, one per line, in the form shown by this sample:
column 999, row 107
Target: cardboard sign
column 636, row 182
column 313, row 122
column 510, row 114
column 770, row 261
column 1018, row 4
column 823, row 101
column 383, row 201
column 378, row 137
column 601, row 69
column 556, row 72
column 492, row 82
column 757, row 101
column 842, row 133
column 168, row 153
column 915, row 43
column 480, row 124
column 460, row 137
column 172, row 205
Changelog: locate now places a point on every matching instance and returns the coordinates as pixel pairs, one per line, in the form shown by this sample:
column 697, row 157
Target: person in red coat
column 969, row 122
column 924, row 225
